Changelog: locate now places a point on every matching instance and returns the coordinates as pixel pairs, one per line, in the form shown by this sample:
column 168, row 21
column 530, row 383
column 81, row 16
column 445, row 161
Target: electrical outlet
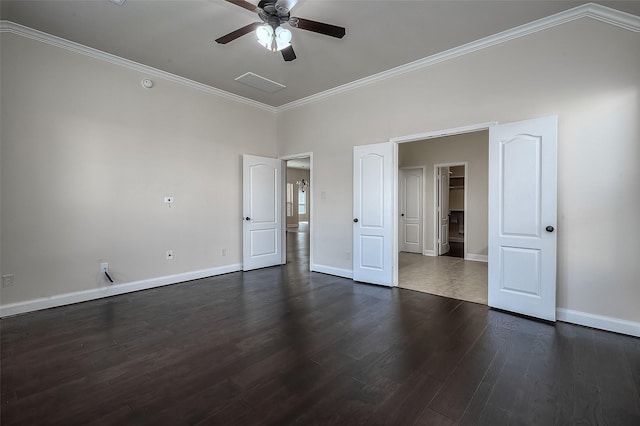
column 168, row 200
column 8, row 281
column 104, row 267
column 169, row 254
column 223, row 252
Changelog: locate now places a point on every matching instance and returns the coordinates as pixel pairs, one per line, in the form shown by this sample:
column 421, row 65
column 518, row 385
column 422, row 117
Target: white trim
column 598, row 321
column 598, row 12
column 11, row 27
column 98, row 293
column 395, row 268
column 446, row 132
column 330, row 270
column 429, row 253
column 591, row 10
column 477, row 257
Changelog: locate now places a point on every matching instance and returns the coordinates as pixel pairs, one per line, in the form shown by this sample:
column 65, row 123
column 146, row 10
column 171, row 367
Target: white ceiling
column 178, row 36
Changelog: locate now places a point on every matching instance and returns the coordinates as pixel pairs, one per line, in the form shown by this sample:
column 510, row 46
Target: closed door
column 410, row 198
column 262, row 212
column 522, row 217
column 373, row 207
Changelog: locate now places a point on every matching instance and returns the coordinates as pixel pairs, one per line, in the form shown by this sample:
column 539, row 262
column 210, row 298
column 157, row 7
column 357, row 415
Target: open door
column 443, row 210
column 262, row 230
column 410, row 197
column 373, row 207
column 522, row 217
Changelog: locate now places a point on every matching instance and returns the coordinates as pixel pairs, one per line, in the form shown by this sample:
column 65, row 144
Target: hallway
column 298, row 246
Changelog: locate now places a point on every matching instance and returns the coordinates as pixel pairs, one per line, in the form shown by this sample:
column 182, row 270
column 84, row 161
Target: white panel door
column 443, row 210
column 373, row 208
column 262, row 212
column 410, row 209
column 522, row 217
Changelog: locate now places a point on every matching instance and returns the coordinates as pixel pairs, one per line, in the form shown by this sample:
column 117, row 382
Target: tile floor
column 445, row 276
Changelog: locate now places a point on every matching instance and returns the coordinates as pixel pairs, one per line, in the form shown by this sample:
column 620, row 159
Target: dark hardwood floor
column 285, row 346
column 456, row 249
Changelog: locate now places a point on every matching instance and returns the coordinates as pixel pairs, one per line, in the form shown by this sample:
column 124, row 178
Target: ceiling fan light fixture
column 283, row 37
column 265, row 35
column 274, row 40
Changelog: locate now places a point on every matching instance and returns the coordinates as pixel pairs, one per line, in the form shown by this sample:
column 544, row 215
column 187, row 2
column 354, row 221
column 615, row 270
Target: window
column 289, row 199
column 302, row 202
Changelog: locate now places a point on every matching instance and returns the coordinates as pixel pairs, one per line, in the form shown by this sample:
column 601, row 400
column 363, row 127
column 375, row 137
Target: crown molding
column 21, row 30
column 598, row 12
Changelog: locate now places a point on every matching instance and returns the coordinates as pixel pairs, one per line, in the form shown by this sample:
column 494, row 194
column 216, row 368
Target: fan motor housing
column 273, row 13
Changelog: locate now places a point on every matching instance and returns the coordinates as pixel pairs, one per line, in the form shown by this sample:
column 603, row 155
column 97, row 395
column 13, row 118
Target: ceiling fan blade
column 238, row 33
column 318, row 27
column 243, row 3
column 288, row 54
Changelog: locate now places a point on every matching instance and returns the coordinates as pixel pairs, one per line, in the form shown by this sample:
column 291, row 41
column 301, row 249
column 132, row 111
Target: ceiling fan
column 271, row 34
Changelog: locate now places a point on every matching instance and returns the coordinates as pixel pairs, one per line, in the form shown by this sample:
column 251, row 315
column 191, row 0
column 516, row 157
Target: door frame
column 435, row 204
column 424, row 182
column 310, row 202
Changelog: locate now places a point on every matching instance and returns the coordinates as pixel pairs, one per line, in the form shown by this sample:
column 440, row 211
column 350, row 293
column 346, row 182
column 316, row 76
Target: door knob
column 247, row 218
column 549, row 228
column 402, row 215
column 355, row 220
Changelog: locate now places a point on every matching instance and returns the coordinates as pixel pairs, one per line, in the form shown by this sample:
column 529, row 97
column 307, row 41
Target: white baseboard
column 598, row 321
column 429, row 253
column 98, row 293
column 344, row 273
column 477, row 257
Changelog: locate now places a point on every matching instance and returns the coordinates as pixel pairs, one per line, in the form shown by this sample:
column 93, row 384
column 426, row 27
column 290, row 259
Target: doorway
column 298, row 211
column 453, row 262
column 449, row 209
column 522, row 192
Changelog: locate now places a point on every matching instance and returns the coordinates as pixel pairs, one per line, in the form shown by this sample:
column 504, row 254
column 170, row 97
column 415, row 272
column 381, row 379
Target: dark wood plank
column 462, row 385
column 614, row 378
column 286, row 346
column 631, row 349
column 587, row 407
